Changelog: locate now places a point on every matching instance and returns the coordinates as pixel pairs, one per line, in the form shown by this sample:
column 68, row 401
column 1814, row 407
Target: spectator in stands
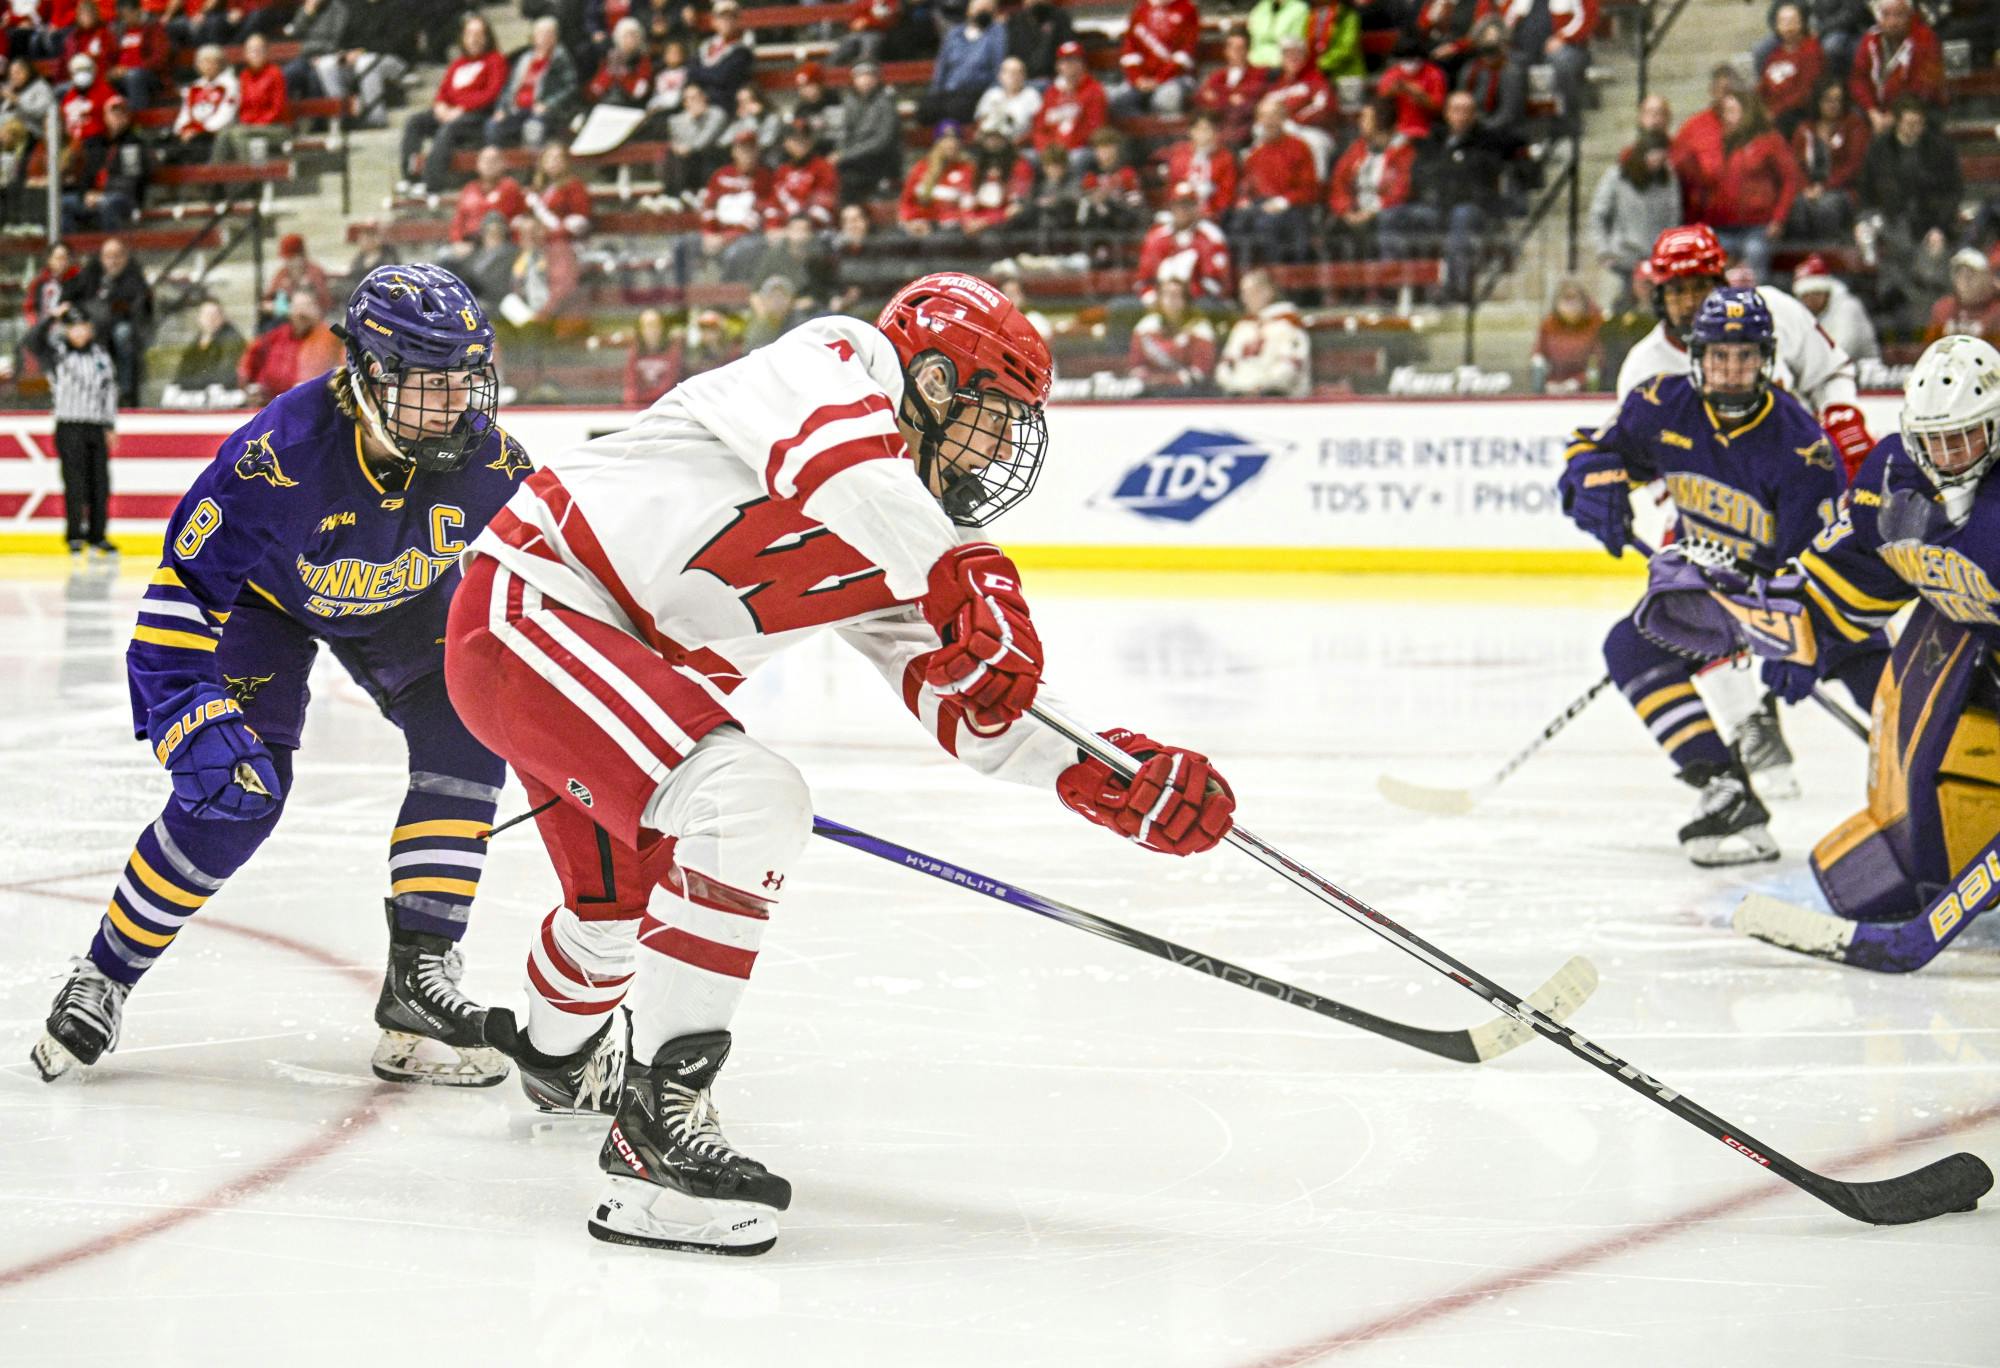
column 1830, row 149
column 1200, row 160
column 1791, row 71
column 1011, row 104
column 1373, row 177
column 289, row 353
column 868, row 26
column 625, row 75
column 1001, row 181
column 1751, row 199
column 1269, row 24
column 82, row 101
column 1910, row 179
column 1016, row 289
column 209, row 104
column 466, row 95
column 320, row 29
column 1268, row 351
column 540, row 94
column 370, row 251
column 652, row 361
column 557, row 195
column 967, row 65
column 1036, row 32
column 1498, row 85
column 851, row 246
column 1841, row 316
column 26, row 98
column 869, row 151
column 770, row 315
column 107, row 186
column 796, row 252
column 1556, row 32
column 1457, row 191
column 1333, row 38
column 141, row 54
column 113, row 291
column 1446, row 26
column 212, row 356
column 804, row 184
column 489, row 268
column 734, row 205
column 1074, row 107
column 813, row 102
column 1309, row 101
column 1899, row 57
column 374, row 69
column 1635, row 201
column 1569, row 345
column 669, row 82
column 1656, row 116
column 723, row 63
column 1276, row 192
column 708, row 344
column 1837, row 24
column 91, row 36
column 938, row 188
column 545, row 276
column 263, row 113
column 490, row 191
column 756, row 118
column 1973, row 306
column 1417, row 86
column 1048, row 216
column 46, row 290
column 1156, row 57
column 1230, row 93
column 1173, row 349
column 1109, row 207
column 1697, row 147
column 1187, row 249
column 297, row 276
column 695, row 145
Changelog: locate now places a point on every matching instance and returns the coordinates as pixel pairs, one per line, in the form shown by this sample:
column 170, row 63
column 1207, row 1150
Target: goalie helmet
column 1951, row 417
column 420, row 355
column 984, row 429
column 1732, row 315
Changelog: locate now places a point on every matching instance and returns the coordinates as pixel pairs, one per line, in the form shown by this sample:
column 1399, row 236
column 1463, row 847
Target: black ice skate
column 1730, row 826
column 420, row 1001
column 674, row 1181
column 1760, row 748
column 83, row 1024
column 579, row 1084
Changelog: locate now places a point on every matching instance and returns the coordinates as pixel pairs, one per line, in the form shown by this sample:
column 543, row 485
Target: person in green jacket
column 1334, row 34
column 1270, row 22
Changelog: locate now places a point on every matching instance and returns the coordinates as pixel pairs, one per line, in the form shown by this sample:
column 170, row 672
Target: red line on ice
column 1415, row 1314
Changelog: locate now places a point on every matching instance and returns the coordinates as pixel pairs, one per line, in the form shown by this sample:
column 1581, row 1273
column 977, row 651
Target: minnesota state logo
column 512, row 461
column 259, row 462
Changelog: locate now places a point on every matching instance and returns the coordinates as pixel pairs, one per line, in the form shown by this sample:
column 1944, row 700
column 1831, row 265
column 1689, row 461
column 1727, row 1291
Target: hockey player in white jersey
column 1687, row 265
column 822, row 481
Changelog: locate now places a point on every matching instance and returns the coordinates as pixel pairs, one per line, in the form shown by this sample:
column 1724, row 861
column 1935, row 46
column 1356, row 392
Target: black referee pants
column 86, row 473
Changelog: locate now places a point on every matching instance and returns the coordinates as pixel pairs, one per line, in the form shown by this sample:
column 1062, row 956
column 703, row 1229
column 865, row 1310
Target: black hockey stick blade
column 1953, row 1183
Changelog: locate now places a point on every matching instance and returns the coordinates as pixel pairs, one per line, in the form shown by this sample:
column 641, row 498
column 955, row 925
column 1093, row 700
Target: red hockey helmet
column 1689, row 252
column 984, row 429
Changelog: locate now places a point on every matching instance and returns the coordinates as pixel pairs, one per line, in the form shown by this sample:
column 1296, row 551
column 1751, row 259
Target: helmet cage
column 405, row 407
column 1959, row 455
column 1951, row 416
column 972, row 487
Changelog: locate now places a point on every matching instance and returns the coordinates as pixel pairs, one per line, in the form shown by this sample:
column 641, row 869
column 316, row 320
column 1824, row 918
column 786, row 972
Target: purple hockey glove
column 219, row 767
column 1789, row 681
column 1597, row 496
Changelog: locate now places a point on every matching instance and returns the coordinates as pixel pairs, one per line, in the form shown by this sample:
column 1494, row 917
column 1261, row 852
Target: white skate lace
column 603, row 1073
column 438, row 976
column 97, row 1000
column 692, row 1115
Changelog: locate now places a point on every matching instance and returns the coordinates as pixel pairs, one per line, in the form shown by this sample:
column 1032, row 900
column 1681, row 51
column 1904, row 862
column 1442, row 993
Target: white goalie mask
column 1951, row 417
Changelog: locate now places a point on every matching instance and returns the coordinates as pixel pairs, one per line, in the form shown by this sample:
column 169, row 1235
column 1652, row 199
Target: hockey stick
column 1559, row 997
column 1886, row 947
column 1955, row 1183
column 1456, row 801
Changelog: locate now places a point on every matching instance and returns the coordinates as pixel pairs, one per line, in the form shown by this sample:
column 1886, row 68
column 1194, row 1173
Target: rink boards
column 1390, row 485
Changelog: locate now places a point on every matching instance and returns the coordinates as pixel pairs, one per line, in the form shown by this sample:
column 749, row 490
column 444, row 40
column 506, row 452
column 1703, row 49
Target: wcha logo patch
column 1188, row 476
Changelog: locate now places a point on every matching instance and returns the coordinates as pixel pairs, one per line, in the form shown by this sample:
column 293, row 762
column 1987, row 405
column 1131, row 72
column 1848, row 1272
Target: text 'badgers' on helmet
column 976, row 379
column 420, row 355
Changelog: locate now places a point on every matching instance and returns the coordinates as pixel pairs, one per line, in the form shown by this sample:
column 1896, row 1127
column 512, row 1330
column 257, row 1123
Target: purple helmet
column 1733, row 315
column 420, row 350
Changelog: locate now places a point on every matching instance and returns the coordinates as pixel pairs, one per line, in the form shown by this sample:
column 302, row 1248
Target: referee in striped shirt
column 85, row 384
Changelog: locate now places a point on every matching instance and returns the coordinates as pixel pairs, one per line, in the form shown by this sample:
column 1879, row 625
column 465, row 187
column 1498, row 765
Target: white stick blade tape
column 1423, row 798
column 1559, row 998
column 1795, row 928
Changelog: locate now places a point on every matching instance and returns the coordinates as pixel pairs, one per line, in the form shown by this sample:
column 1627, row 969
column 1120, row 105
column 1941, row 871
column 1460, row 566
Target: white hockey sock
column 577, row 974
column 1732, row 692
column 695, row 957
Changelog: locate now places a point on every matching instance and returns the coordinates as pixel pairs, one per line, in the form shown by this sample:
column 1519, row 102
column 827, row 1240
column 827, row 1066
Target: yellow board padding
column 145, row 546
column 1385, row 560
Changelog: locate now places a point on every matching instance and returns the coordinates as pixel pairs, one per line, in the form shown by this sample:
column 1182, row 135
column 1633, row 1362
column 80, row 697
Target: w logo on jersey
column 1189, row 475
column 259, row 462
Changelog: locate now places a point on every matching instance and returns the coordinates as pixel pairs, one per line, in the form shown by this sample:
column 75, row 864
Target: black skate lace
column 97, row 999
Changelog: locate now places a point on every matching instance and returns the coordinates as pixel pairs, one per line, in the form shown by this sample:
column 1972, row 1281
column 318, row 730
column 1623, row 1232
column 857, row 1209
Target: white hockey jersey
column 1809, row 363
column 751, row 506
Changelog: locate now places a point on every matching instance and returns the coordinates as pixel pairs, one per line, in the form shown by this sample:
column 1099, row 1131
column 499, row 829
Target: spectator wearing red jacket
column 653, row 362
column 1417, row 86
column 1558, row 33
column 91, row 36
column 1230, row 92
column 1187, row 249
column 1001, row 181
column 1202, row 161
column 297, row 275
column 736, row 202
column 1173, row 349
column 140, row 53
column 82, row 101
column 1156, row 57
column 1830, row 148
column 557, row 196
column 1748, row 205
column 1374, row 174
column 1696, row 151
column 625, row 76
column 1073, row 107
column 1310, row 105
column 209, row 105
column 1791, row 71
column 1277, row 190
column 804, row 184
column 938, row 188
column 1569, row 344
column 263, row 111
column 468, row 92
column 290, row 353
column 490, row 191
column 1899, row 56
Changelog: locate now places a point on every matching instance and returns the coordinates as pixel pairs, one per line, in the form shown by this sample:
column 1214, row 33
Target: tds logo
column 1188, row 476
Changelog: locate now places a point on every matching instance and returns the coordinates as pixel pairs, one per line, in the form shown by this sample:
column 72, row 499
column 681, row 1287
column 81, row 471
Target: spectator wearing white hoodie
column 1843, row 317
column 1268, row 351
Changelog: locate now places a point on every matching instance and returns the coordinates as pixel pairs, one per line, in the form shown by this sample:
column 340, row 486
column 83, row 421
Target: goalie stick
column 1560, row 996
column 1954, row 1183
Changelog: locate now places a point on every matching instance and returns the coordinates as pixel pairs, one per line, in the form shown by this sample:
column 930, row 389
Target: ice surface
column 1011, row 1142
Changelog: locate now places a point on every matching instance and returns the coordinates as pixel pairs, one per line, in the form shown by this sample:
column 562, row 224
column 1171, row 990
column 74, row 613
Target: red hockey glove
column 991, row 656
column 1849, row 431
column 1176, row 804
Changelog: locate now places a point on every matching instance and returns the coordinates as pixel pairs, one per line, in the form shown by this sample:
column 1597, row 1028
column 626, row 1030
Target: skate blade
column 1754, row 846
column 1778, row 783
column 631, row 1212
column 399, row 1058
column 52, row 1059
